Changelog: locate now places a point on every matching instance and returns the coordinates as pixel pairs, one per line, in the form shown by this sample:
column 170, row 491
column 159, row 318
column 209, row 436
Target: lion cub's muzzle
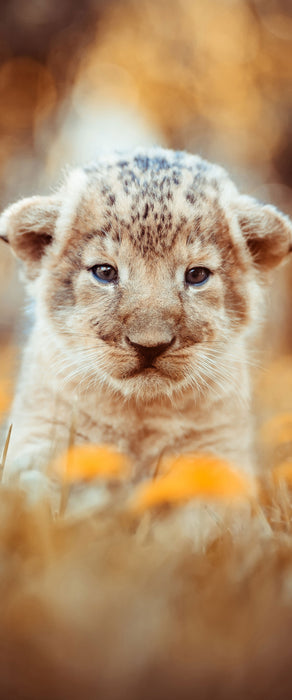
column 147, row 354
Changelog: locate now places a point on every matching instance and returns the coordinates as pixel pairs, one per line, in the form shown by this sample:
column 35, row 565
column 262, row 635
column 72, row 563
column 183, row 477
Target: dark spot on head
column 176, row 177
column 190, row 197
column 106, row 228
column 86, row 237
column 142, row 162
column 198, row 220
column 146, row 210
column 111, row 200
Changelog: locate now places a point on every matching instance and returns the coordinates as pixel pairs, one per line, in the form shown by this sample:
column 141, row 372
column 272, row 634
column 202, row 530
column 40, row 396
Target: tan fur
column 152, row 215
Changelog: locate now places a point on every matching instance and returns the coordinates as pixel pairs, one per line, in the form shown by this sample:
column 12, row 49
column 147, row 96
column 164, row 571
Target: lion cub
column 147, row 271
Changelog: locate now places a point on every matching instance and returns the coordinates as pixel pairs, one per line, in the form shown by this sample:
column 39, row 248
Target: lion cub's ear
column 268, row 233
column 28, row 226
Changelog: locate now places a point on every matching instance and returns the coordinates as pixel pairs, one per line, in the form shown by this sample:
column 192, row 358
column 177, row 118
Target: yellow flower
column 85, row 462
column 194, row 476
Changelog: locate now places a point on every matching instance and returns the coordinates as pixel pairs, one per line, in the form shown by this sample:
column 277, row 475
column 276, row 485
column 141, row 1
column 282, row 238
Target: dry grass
column 112, row 605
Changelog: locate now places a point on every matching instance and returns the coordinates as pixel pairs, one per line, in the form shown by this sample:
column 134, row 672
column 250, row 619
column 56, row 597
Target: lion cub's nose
column 150, row 352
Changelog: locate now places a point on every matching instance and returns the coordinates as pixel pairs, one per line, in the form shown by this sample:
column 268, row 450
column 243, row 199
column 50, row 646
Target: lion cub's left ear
column 28, row 226
column 267, row 232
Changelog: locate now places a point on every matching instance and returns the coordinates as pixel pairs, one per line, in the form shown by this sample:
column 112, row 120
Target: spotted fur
column 152, row 214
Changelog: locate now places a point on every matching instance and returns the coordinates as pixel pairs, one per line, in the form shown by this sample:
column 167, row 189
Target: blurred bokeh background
column 208, row 76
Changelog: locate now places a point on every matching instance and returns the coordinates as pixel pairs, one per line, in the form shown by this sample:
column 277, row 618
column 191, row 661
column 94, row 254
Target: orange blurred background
column 208, row 76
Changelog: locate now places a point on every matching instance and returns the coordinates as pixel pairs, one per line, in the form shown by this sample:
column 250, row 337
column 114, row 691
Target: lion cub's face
column 147, row 270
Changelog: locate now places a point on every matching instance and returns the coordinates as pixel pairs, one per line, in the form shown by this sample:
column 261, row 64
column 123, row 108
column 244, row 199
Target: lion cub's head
column 147, row 268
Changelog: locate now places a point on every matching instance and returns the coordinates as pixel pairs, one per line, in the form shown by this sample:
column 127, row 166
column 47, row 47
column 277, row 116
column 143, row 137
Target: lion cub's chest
column 144, row 437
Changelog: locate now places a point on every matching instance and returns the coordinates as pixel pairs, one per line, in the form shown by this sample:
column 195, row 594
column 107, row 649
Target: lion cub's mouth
column 144, row 371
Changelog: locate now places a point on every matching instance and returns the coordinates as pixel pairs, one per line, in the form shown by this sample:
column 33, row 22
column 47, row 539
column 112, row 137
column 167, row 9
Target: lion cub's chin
column 147, row 386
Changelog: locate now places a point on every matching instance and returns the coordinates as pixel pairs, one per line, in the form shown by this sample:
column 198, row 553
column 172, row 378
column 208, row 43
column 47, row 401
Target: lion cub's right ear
column 28, row 226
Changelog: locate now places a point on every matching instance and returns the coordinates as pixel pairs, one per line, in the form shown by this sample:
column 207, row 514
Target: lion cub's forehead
column 151, row 200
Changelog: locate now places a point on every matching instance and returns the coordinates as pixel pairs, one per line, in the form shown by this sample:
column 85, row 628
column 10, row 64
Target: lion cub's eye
column 104, row 273
column 197, row 275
